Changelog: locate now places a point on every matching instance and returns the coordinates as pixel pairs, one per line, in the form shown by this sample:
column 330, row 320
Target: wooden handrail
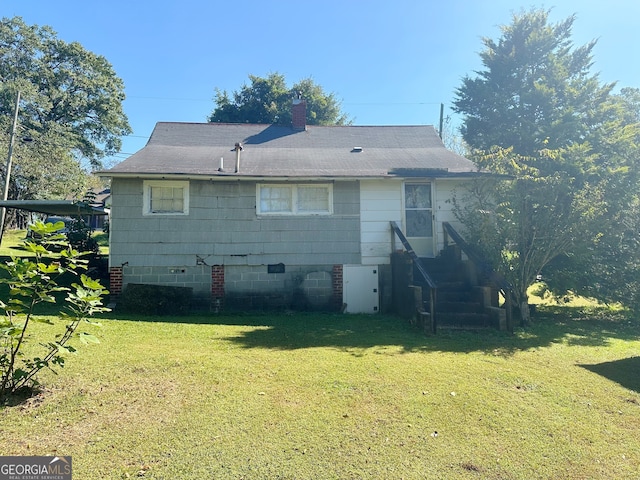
column 503, row 285
column 413, row 255
column 476, row 257
column 418, row 263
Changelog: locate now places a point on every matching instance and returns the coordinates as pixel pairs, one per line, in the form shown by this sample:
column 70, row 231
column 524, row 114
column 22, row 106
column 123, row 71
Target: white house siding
column 222, row 228
column 381, row 202
column 445, row 190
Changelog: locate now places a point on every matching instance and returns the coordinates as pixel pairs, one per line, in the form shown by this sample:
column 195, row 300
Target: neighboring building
column 99, row 198
column 256, row 216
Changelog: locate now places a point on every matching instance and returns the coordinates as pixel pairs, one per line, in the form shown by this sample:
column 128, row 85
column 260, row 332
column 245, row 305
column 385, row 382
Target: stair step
column 459, row 303
column 467, row 296
column 463, row 327
column 446, row 286
column 458, row 307
column 463, row 320
column 454, row 286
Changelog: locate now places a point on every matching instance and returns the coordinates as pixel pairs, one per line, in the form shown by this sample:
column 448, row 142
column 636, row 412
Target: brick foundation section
column 217, row 285
column 115, row 280
column 336, row 278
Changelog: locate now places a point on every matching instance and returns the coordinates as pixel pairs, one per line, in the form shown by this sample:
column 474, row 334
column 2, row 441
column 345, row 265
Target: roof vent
column 357, row 149
column 238, row 149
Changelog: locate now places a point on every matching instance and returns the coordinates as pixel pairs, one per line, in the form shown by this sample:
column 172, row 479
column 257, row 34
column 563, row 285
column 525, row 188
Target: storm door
column 418, row 218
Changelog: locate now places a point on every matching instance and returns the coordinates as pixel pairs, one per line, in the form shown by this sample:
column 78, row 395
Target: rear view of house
column 260, row 216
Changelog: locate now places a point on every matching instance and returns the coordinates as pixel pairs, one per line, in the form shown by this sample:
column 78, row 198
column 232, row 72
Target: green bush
column 155, row 299
column 33, row 281
column 80, row 237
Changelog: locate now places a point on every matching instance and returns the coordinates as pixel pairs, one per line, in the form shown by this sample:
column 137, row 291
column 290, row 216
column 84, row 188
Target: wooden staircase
column 461, row 301
column 448, row 291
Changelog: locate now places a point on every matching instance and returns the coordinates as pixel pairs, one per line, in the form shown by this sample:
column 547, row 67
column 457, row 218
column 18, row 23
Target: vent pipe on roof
column 238, row 149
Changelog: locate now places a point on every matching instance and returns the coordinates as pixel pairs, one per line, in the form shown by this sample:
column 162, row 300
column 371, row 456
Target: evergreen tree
column 536, row 90
column 537, row 114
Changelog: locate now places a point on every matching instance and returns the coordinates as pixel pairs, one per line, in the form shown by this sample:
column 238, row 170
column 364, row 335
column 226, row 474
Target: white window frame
column 294, row 199
column 406, row 209
column 147, row 185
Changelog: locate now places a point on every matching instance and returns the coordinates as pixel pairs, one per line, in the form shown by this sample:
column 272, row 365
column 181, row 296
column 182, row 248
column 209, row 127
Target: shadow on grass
column 573, row 326
column 626, row 372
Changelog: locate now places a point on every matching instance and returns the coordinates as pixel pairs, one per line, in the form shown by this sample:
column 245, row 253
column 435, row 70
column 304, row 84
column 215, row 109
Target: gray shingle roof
column 280, row 151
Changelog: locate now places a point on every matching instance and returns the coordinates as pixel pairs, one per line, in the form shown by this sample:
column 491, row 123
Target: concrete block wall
column 309, row 287
column 223, row 229
column 197, row 278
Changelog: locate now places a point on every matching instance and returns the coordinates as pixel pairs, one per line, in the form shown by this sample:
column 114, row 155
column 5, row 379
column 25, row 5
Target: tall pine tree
column 538, row 114
column 536, row 90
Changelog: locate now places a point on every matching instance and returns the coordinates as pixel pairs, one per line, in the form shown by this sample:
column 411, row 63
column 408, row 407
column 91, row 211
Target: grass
column 344, row 397
column 103, row 241
column 12, row 239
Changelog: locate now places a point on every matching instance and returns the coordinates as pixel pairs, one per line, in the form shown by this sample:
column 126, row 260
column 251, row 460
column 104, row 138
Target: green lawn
column 13, row 238
column 341, row 397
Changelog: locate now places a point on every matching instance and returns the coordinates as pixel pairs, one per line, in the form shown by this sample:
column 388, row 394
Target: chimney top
column 299, row 114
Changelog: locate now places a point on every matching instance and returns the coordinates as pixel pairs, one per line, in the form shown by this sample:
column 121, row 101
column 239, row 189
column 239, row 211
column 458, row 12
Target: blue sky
column 390, row 62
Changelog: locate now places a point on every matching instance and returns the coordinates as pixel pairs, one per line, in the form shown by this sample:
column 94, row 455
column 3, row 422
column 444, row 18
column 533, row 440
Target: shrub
column 80, row 238
column 155, row 299
column 33, row 281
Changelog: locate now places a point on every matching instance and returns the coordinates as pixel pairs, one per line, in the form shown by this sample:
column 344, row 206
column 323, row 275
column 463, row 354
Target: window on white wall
column 280, row 199
column 166, row 197
column 418, row 210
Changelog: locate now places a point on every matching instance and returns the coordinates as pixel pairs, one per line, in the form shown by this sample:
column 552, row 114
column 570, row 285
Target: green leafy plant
column 80, row 238
column 36, row 280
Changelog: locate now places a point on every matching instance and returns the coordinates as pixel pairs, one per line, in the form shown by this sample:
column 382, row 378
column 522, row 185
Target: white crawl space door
column 360, row 288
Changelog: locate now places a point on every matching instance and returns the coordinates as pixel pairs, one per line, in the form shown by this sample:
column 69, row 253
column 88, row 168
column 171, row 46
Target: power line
column 175, row 99
column 136, row 136
column 170, row 99
column 392, row 103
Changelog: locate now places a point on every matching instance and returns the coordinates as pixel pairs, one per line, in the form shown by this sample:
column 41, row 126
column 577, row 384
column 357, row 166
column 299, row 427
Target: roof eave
column 248, row 177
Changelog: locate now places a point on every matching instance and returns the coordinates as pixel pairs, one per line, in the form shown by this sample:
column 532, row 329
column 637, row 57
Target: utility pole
column 7, row 173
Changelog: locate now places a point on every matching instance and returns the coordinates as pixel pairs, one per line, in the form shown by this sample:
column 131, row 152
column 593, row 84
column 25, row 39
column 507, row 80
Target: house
column 99, row 198
column 257, row 216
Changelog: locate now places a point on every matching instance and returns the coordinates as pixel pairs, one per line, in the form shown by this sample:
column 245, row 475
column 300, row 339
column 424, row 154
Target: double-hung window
column 165, row 197
column 281, row 199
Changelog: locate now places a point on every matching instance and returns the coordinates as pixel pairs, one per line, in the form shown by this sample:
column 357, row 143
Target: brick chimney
column 299, row 114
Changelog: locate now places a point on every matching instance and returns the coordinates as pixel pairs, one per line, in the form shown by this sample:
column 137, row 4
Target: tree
column 535, row 92
column 452, row 139
column 607, row 268
column 569, row 146
column 523, row 222
column 71, row 109
column 268, row 101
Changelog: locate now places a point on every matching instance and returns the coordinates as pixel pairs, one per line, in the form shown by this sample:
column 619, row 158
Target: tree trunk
column 522, row 300
column 525, row 316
